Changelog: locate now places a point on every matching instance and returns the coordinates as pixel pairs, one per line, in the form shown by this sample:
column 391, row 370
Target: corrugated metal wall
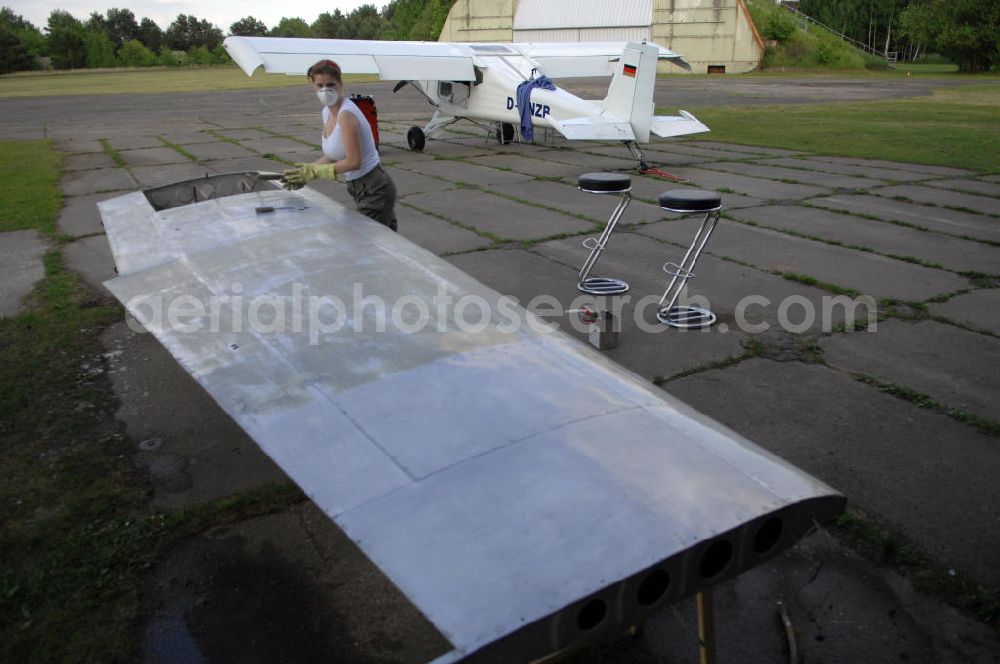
column 546, row 14
column 636, row 34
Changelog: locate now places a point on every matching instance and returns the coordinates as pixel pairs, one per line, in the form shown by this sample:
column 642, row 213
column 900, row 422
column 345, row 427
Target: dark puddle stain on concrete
column 220, row 602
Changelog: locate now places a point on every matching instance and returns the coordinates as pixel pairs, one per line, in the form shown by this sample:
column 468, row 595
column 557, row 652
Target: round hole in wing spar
column 715, row 559
column 592, row 614
column 653, row 587
column 767, row 535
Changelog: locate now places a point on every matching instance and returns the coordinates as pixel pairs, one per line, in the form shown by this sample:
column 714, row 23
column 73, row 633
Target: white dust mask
column 328, row 96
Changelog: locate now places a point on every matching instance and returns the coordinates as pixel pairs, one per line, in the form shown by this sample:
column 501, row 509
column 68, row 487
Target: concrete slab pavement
column 941, row 171
column 870, row 274
column 979, row 309
column 650, row 350
column 20, row 268
column 722, row 286
column 526, row 164
column 823, row 165
column 749, row 150
column 437, row 235
column 151, row 176
column 152, row 157
column 410, row 182
column 884, row 453
column 762, row 188
column 218, row 150
column 955, row 367
column 78, row 183
column 87, row 162
column 568, row 198
column 500, row 216
column 985, row 205
column 79, row 215
column 460, row 171
column 970, row 185
column 828, row 180
column 91, row 258
column 943, row 220
column 889, row 239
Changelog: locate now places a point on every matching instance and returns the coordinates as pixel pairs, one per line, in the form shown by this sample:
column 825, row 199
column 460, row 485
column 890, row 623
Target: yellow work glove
column 296, row 178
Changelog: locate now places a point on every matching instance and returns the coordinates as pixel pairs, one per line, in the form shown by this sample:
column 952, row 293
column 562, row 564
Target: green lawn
column 958, row 127
column 29, row 197
column 76, row 531
column 144, row 80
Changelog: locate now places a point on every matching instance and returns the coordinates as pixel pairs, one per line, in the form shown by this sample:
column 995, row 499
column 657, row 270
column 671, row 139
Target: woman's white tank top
column 333, row 145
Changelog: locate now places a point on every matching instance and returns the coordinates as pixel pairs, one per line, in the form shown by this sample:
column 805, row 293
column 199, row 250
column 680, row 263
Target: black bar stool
column 603, row 183
column 688, row 201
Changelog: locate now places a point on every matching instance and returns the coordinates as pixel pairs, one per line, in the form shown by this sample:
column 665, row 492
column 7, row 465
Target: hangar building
column 715, row 36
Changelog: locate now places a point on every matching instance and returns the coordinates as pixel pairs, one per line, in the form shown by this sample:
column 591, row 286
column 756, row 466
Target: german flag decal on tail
column 630, row 70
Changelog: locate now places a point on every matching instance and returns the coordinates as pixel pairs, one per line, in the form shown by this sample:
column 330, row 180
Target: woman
column 348, row 150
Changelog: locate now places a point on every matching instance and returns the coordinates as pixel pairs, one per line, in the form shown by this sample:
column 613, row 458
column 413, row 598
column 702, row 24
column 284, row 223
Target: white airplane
column 479, row 82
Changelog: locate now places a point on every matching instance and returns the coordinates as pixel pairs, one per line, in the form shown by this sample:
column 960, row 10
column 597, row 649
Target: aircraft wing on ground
column 523, row 491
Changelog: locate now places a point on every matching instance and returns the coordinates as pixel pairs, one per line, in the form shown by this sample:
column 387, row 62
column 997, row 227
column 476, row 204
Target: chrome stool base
column 602, row 286
column 686, row 317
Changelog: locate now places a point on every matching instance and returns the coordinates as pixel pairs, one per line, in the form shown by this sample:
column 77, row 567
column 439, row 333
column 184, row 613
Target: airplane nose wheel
column 415, row 138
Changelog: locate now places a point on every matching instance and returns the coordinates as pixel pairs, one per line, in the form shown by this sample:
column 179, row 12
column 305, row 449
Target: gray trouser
column 374, row 196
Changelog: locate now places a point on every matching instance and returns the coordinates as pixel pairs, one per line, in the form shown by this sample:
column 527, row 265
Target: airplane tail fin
column 630, row 97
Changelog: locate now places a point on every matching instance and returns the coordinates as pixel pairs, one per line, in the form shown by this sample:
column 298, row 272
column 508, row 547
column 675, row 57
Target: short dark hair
column 328, row 67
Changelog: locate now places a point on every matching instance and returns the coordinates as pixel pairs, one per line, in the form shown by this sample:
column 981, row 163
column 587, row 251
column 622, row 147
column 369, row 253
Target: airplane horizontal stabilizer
column 595, row 129
column 665, row 126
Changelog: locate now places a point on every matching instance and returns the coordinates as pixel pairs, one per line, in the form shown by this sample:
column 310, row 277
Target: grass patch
column 812, row 281
column 956, row 127
column 860, row 532
column 985, row 425
column 77, row 535
column 146, row 80
column 111, row 152
column 29, row 196
column 178, row 149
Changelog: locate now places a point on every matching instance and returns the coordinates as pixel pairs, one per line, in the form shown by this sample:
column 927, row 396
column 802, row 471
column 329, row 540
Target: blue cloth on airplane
column 524, row 102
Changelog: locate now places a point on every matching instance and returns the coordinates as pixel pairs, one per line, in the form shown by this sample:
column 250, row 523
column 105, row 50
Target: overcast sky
column 222, row 13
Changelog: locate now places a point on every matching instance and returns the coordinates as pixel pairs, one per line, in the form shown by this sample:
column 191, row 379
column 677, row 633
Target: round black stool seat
column 690, row 200
column 605, row 183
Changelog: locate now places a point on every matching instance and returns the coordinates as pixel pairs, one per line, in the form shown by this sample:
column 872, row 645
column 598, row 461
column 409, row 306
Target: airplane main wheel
column 505, row 133
column 415, row 138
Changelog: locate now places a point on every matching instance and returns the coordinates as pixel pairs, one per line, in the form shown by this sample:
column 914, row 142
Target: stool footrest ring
column 602, row 286
column 686, row 317
column 675, row 270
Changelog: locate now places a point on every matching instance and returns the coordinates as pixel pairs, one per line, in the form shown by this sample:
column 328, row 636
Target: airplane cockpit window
column 454, row 92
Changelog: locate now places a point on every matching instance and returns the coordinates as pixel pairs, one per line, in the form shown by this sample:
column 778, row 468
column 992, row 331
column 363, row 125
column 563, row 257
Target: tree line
column 967, row 32
column 117, row 39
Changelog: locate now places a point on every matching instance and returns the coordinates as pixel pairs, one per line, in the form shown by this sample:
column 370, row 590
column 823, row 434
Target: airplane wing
column 390, row 60
column 594, row 128
column 523, row 491
column 403, row 60
column 583, row 59
column 666, row 126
